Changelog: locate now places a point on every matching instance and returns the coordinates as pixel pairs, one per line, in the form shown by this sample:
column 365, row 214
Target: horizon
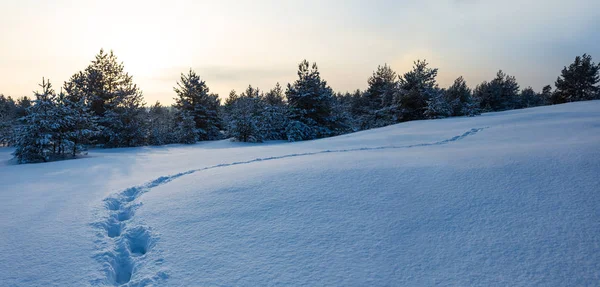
column 233, row 45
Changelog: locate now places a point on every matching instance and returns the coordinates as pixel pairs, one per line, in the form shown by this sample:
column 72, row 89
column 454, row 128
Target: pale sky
column 231, row 44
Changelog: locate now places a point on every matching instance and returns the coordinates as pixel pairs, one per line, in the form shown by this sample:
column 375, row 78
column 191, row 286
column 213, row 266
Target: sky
column 232, row 44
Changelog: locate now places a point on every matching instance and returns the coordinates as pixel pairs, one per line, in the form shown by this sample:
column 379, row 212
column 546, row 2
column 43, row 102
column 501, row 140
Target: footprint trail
column 126, row 249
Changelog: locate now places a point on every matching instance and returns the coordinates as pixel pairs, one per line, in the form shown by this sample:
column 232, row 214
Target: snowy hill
column 509, row 198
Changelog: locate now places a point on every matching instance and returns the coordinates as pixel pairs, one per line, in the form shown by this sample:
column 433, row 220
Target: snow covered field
column 509, row 198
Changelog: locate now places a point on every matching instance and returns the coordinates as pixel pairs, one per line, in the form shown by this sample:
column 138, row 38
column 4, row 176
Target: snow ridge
column 126, row 250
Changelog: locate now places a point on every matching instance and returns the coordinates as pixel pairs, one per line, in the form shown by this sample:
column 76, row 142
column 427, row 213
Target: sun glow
column 235, row 43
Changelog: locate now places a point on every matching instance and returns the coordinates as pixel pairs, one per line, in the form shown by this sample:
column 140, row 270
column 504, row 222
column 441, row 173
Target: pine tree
column 529, row 98
column 161, row 122
column 55, row 127
column 498, row 95
column 6, row 131
column 299, row 131
column 233, row 96
column 341, row 115
column 107, row 84
column 246, row 121
column 275, row 114
column 22, row 105
column 460, row 97
column 416, row 88
column 186, row 132
column 547, row 95
column 83, row 124
column 471, row 108
column 382, row 89
column 8, row 116
column 114, row 99
column 125, row 123
column 356, row 103
column 35, row 139
column 311, row 102
column 579, row 81
column 275, row 96
column 63, row 121
column 8, row 107
column 12, row 119
column 438, row 106
column 483, row 93
column 377, row 108
column 193, row 96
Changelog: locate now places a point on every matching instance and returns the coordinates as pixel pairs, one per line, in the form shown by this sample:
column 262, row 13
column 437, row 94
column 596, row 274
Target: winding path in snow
column 123, row 248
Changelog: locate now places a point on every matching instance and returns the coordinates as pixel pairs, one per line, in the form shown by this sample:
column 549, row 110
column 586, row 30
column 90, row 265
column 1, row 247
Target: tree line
column 102, row 107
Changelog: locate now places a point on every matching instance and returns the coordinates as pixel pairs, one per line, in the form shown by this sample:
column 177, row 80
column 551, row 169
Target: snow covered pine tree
column 311, row 102
column 35, row 139
column 194, row 97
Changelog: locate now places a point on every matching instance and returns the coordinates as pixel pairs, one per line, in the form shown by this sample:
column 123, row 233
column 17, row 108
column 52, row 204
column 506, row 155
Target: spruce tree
column 194, row 97
column 579, row 81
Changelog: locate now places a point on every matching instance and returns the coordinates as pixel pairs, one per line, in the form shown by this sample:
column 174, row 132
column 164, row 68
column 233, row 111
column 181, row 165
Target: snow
column 509, row 198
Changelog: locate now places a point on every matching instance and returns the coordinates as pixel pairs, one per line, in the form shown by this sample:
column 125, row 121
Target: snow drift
column 510, row 198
